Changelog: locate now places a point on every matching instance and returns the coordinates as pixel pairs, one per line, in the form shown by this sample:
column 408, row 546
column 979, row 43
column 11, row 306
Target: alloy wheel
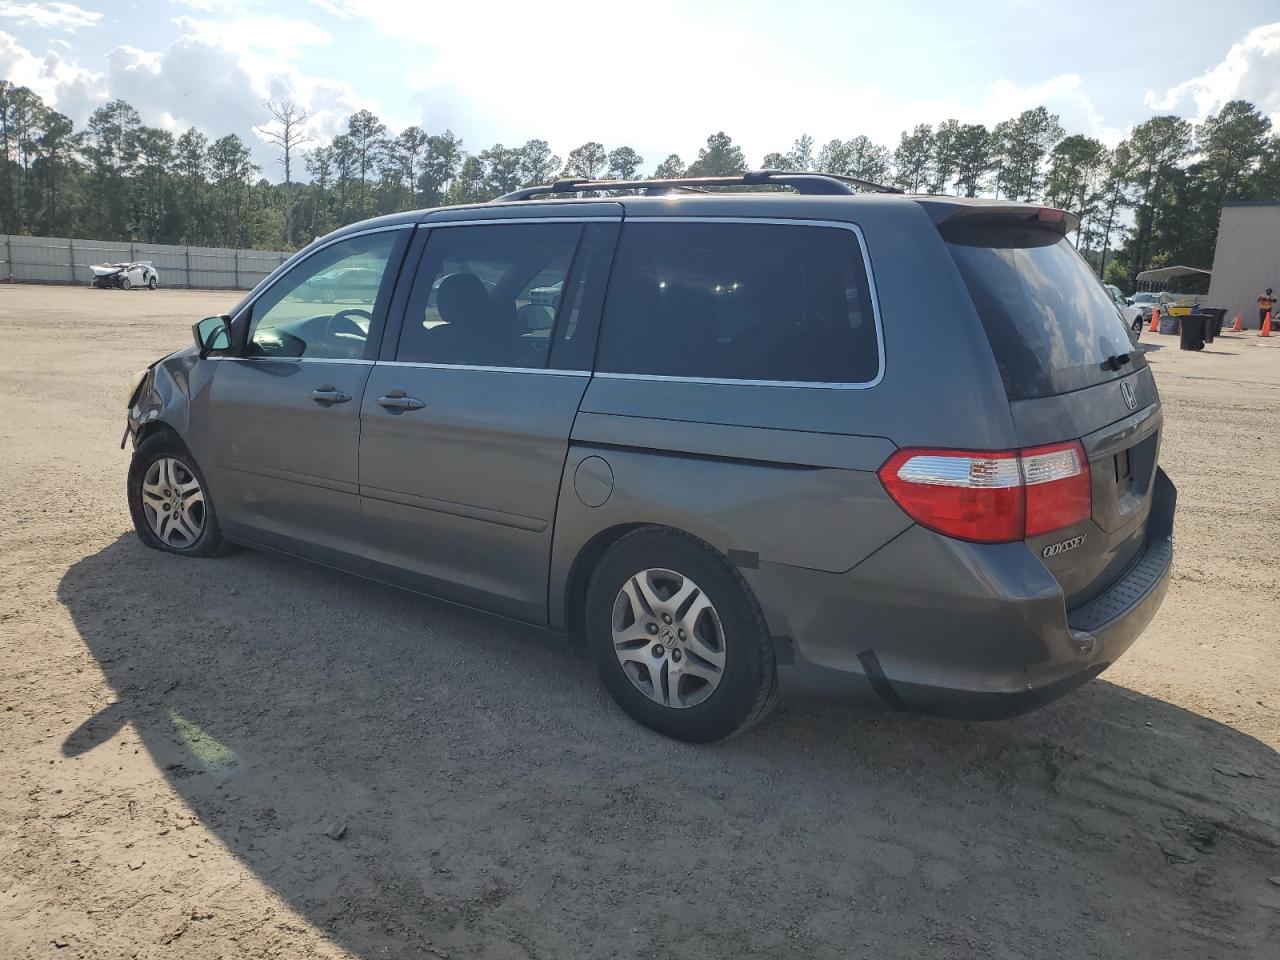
column 173, row 502
column 668, row 638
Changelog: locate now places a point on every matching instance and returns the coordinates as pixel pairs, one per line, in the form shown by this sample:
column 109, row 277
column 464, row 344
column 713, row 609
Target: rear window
column 1052, row 326
column 739, row 301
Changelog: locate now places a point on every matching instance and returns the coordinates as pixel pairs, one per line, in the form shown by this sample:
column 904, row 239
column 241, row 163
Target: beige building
column 1247, row 258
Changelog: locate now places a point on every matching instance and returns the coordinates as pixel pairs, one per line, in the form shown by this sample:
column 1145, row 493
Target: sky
column 658, row 76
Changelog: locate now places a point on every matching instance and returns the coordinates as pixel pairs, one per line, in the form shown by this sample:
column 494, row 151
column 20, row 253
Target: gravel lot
column 254, row 757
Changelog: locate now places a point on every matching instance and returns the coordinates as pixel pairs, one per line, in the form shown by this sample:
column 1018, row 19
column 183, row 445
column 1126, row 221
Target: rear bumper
column 1103, row 631
column 962, row 630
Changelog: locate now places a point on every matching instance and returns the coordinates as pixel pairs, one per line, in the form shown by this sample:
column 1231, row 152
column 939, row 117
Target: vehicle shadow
column 490, row 801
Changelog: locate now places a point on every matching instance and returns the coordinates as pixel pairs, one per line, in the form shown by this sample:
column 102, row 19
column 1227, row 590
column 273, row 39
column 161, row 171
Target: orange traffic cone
column 1155, row 320
column 1266, row 326
column 1239, row 325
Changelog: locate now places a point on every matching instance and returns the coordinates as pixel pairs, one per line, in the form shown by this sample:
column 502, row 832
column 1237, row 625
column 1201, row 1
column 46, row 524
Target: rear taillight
column 1059, row 490
column 991, row 497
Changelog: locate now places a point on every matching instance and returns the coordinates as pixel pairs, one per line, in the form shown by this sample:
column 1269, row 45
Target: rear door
column 467, row 415
column 1071, row 373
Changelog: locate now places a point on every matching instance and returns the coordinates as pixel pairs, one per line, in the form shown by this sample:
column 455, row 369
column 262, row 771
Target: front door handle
column 329, row 394
column 396, row 400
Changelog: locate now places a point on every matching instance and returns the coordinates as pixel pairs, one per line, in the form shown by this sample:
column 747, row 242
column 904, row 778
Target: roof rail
column 800, row 182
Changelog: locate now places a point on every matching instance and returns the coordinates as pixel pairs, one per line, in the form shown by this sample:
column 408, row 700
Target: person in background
column 1266, row 304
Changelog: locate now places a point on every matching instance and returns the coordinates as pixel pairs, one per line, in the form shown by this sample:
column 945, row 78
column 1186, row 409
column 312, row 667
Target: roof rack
column 806, row 183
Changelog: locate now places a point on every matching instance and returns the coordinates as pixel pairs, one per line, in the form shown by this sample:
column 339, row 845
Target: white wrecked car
column 124, row 276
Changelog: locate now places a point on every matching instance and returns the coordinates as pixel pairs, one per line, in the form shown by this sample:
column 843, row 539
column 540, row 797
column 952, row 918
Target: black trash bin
column 1216, row 317
column 1192, row 331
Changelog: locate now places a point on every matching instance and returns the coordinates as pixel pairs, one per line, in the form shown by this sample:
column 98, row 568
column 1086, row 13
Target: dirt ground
column 254, row 757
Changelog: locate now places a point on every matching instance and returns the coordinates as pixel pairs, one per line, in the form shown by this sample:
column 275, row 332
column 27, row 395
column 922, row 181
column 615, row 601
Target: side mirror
column 212, row 335
column 1128, row 301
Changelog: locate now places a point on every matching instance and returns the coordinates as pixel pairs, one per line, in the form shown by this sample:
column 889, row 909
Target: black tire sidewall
column 733, row 701
column 148, row 452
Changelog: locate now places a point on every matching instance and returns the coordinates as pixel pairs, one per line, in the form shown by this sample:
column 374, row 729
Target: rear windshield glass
column 1052, row 327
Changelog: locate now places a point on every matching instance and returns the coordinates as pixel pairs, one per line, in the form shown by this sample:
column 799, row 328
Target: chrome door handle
column 396, row 400
column 328, row 394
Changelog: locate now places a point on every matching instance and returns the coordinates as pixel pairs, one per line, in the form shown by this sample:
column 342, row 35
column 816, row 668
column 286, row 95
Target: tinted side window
column 488, row 295
column 323, row 307
column 739, row 301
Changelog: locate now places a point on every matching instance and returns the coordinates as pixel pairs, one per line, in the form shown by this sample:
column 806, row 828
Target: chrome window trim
column 804, row 384
column 281, row 272
column 478, row 368
column 431, row 225
column 359, row 361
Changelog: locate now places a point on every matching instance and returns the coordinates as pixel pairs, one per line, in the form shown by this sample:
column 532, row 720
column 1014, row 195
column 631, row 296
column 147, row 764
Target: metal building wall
column 67, row 260
column 1247, row 258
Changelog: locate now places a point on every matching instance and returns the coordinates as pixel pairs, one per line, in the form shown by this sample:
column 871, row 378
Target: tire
column 152, row 283
column 125, row 283
column 146, row 472
column 675, row 564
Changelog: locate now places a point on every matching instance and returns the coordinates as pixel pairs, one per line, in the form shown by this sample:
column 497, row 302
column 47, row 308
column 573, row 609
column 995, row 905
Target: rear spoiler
column 969, row 210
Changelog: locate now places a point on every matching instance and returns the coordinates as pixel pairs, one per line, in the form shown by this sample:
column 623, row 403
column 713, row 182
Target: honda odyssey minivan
column 823, row 436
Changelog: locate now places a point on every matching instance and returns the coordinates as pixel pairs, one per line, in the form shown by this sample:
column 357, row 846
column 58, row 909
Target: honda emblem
column 1126, row 391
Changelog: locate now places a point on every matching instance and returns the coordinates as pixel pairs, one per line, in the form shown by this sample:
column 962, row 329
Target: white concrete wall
column 67, row 260
column 1246, row 260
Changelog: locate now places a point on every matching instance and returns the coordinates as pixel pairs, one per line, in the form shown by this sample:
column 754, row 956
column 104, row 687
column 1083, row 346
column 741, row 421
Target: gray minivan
column 814, row 434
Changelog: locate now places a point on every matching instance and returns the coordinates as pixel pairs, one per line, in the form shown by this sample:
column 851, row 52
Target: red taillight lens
column 991, row 497
column 966, row 494
column 1059, row 489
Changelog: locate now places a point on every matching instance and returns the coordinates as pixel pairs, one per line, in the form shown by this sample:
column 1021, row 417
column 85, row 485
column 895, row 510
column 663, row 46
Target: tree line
column 1152, row 200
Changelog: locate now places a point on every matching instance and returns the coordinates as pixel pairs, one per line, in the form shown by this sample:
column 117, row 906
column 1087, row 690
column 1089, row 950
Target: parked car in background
column 347, row 283
column 1145, row 302
column 1131, row 314
column 713, row 435
column 125, row 276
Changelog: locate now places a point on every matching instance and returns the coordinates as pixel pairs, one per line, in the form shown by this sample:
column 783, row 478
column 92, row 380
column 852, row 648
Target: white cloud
column 50, row 16
column 217, row 81
column 692, row 75
column 1250, row 71
column 60, row 83
column 279, row 36
column 215, row 77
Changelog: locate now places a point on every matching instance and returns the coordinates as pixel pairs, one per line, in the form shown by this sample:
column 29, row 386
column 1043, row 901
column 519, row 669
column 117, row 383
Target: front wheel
column 125, row 284
column 678, row 638
column 169, row 500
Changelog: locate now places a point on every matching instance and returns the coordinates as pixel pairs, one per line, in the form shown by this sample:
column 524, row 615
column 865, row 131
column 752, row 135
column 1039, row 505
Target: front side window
column 740, row 301
column 323, row 308
column 488, row 295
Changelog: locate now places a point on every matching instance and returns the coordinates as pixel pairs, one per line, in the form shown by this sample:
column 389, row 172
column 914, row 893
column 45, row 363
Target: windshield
column 1052, row 326
column 1144, row 298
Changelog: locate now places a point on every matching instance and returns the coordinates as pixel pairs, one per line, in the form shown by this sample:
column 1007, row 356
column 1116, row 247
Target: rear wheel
column 679, row 641
column 169, row 500
column 152, row 283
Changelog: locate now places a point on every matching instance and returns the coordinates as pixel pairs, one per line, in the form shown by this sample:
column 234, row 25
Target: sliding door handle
column 329, row 394
column 397, row 401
